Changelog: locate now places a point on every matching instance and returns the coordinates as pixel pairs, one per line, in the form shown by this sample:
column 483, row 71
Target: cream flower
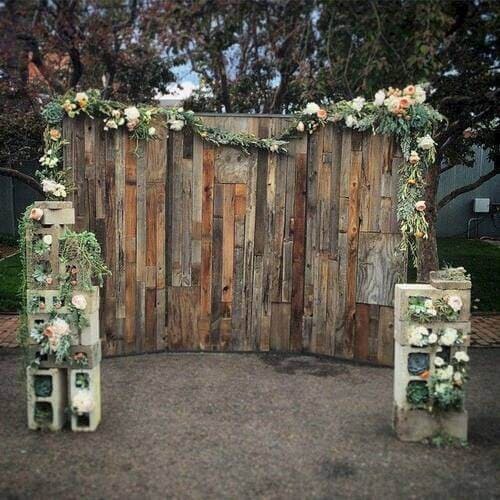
column 426, row 142
column 379, row 98
column 54, row 188
column 82, row 402
column 151, row 131
column 462, row 356
column 458, row 379
column 358, row 103
column 322, row 114
column 419, row 95
column 274, row 148
column 445, row 373
column 414, row 158
column 428, row 304
column 47, row 239
column 60, row 327
column 351, row 121
column 438, row 361
column 432, row 312
column 300, row 127
column 455, row 302
column 176, row 125
column 420, row 206
column 82, row 99
column 392, row 103
column 433, row 338
column 449, row 336
column 36, row 213
column 131, row 113
column 110, row 124
column 311, row 108
column 409, row 90
column 79, row 302
column 417, row 336
column 55, row 134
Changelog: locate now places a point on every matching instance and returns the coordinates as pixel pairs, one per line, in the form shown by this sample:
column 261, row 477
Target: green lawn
column 482, row 261
column 10, row 272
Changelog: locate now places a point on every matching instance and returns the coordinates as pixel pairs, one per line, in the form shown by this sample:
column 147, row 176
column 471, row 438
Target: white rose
column 47, row 239
column 455, row 302
column 379, row 98
column 82, row 402
column 358, row 103
column 448, row 337
column 415, row 337
column 152, row 131
column 462, row 356
column 300, row 127
column 438, row 361
column 79, row 302
column 351, row 121
column 48, row 185
column 131, row 113
column 445, row 373
column 433, row 338
column 432, row 312
column 426, row 142
column 419, row 95
column 457, row 378
column 111, row 124
column 176, row 125
column 428, row 304
column 60, row 327
column 274, row 148
column 311, row 108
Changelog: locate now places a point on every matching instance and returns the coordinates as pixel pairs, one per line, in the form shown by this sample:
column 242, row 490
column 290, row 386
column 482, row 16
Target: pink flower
column 36, row 214
column 455, row 302
column 420, row 206
column 79, row 302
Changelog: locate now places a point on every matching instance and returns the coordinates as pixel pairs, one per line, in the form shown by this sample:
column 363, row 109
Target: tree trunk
column 427, row 249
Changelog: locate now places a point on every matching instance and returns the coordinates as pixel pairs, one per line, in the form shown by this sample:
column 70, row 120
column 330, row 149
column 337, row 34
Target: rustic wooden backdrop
column 215, row 250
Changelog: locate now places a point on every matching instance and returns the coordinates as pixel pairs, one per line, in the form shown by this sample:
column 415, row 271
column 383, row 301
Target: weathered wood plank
column 280, row 327
column 228, row 210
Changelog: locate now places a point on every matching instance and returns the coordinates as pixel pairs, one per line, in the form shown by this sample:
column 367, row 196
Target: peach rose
column 49, row 332
column 322, row 114
column 36, row 214
column 420, row 206
column 409, row 90
column 404, row 103
column 54, row 134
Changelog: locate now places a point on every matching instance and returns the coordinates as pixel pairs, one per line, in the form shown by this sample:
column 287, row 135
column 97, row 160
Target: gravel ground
column 246, row 426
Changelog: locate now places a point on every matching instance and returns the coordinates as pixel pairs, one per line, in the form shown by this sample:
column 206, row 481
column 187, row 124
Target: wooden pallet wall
column 215, row 250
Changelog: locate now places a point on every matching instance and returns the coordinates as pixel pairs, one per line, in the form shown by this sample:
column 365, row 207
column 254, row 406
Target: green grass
column 482, row 261
column 10, row 273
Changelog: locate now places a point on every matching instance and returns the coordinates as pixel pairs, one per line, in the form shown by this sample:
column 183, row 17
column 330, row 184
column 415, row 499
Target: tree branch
column 470, row 187
column 24, row 178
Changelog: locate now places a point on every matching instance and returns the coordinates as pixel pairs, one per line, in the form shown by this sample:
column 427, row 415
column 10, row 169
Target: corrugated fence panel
column 215, row 250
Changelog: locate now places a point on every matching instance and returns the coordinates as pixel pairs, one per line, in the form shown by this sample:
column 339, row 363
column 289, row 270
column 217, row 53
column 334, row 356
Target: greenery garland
column 401, row 113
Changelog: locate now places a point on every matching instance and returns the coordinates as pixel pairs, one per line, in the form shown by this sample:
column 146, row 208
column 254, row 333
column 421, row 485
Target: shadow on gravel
column 306, row 365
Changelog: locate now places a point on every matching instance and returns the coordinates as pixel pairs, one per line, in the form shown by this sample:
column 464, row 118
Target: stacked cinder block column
column 429, row 332
column 50, row 382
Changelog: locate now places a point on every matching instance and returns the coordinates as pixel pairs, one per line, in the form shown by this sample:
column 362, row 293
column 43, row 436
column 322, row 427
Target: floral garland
column 402, row 113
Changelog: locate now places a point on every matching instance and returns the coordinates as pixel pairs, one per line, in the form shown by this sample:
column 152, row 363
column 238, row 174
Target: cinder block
column 403, row 293
column 56, row 212
column 402, row 329
column 47, row 397
column 442, row 284
column 401, row 374
column 92, row 353
column 89, row 335
column 414, row 425
column 417, row 425
column 47, row 300
column 89, row 382
column 454, row 424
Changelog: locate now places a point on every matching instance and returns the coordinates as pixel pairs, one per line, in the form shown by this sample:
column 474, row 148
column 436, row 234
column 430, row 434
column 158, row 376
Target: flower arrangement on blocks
column 64, row 307
column 402, row 113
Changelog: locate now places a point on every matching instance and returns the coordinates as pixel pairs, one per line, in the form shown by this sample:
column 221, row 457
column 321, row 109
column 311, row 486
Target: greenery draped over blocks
column 81, row 264
column 401, row 113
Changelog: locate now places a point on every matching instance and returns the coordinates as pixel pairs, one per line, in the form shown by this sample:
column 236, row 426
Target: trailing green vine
column 401, row 113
